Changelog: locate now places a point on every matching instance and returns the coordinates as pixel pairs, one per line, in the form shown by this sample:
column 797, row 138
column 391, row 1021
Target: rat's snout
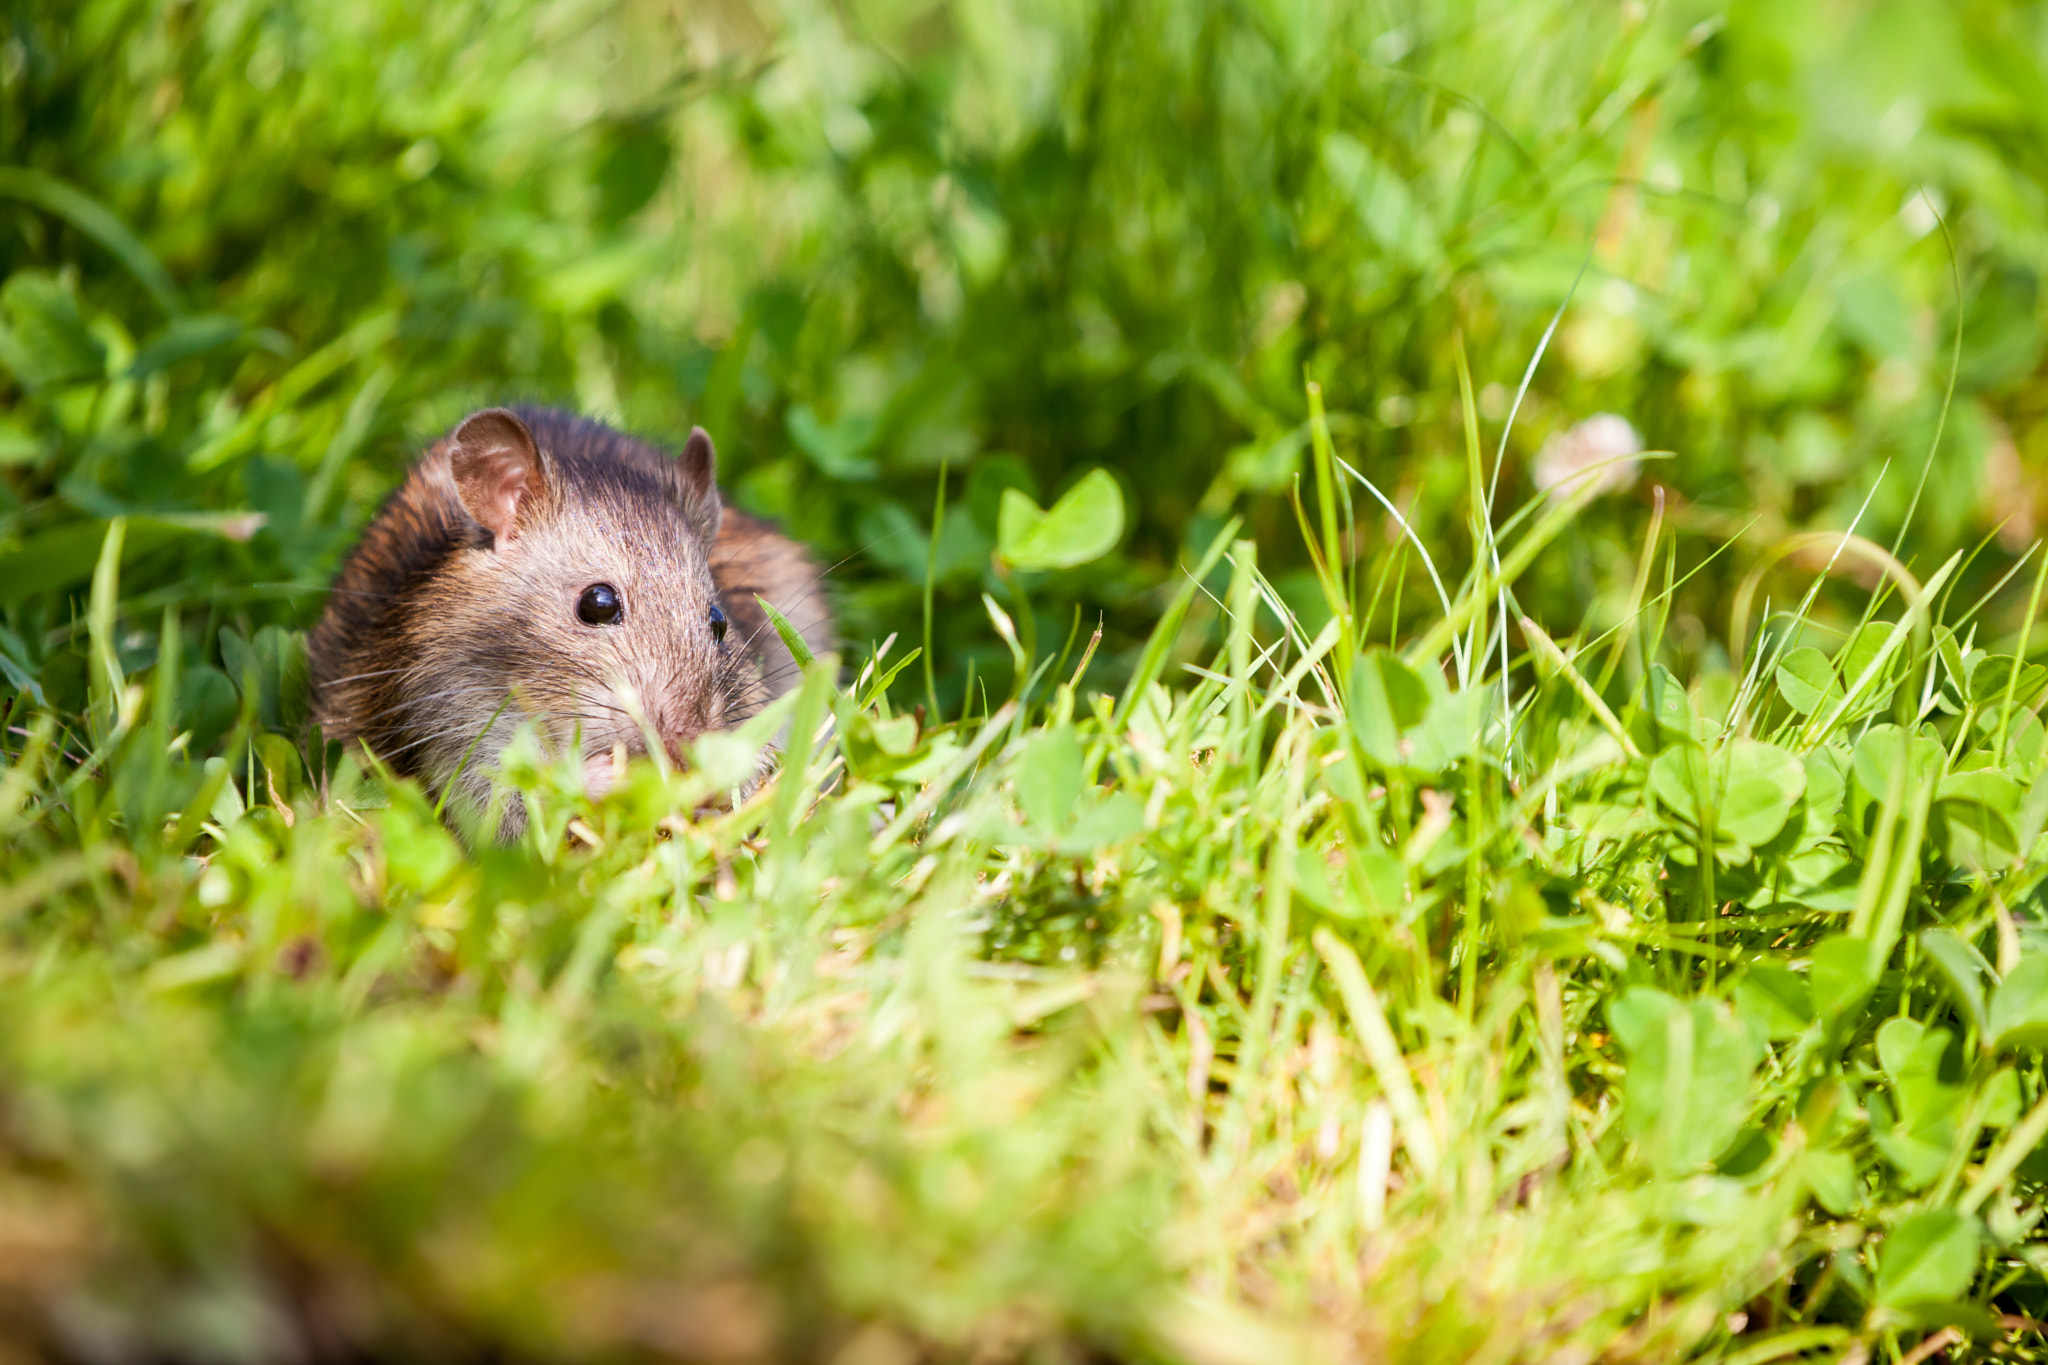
column 674, row 739
column 605, row 769
column 677, row 739
column 677, row 726
column 672, row 721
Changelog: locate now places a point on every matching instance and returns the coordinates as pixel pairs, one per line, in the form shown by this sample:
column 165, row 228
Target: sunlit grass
column 1255, row 1013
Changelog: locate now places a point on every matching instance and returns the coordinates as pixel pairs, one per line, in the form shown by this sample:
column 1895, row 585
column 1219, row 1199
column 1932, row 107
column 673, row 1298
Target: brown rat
column 583, row 575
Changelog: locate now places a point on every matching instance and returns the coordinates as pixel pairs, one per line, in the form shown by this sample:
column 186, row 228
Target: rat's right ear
column 497, row 469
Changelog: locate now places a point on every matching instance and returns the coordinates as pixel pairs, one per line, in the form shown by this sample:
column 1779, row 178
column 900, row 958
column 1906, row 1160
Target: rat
column 538, row 566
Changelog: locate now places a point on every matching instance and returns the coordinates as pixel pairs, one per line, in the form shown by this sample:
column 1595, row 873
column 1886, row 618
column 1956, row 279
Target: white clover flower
column 1602, row 451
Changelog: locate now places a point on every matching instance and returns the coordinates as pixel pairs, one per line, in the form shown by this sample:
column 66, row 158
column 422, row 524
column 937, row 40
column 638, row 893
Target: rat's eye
column 717, row 624
column 600, row 605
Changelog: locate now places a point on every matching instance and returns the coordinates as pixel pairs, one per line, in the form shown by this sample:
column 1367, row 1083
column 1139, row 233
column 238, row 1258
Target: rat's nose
column 676, row 738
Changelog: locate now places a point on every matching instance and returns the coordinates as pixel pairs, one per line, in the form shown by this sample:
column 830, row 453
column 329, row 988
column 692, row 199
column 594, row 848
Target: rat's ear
column 697, row 480
column 498, row 471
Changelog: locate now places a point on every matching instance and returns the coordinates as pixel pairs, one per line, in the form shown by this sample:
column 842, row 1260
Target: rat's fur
column 436, row 619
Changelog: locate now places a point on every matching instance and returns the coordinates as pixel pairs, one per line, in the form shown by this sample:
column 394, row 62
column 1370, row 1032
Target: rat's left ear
column 697, row 481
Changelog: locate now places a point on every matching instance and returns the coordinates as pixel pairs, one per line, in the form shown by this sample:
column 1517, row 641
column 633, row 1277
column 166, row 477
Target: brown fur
column 435, row 621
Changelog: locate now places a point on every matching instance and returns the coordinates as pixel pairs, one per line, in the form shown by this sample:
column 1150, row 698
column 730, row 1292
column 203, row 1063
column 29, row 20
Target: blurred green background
column 256, row 254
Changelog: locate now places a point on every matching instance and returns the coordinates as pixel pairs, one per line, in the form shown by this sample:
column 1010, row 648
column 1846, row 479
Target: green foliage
column 1083, row 525
column 1426, row 922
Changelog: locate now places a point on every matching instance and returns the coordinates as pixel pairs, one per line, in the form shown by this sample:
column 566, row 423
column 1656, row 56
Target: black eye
column 717, row 624
column 600, row 605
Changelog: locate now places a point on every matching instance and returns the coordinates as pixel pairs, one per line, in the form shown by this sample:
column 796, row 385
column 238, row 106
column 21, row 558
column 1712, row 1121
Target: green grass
column 1602, row 928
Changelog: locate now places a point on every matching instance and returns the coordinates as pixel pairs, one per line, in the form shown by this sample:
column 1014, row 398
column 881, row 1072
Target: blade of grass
column 1153, row 660
column 106, row 680
column 1524, row 553
column 1562, row 666
column 1381, row 1049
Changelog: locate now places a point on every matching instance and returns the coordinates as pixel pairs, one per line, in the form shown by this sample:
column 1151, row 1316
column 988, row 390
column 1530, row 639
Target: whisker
column 358, row 677
column 341, row 592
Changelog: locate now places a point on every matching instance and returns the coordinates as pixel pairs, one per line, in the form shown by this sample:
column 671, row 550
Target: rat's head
column 584, row 595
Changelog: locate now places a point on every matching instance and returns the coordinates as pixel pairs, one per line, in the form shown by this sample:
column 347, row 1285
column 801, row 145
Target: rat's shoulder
column 753, row 550
column 753, row 558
